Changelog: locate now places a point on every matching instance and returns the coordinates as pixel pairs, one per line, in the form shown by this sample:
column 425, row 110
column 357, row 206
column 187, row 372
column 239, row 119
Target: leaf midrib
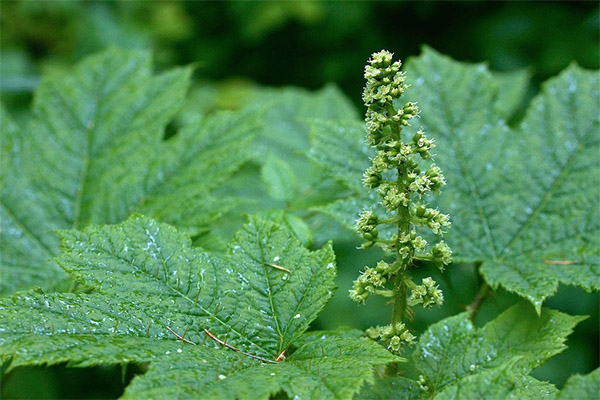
column 207, row 313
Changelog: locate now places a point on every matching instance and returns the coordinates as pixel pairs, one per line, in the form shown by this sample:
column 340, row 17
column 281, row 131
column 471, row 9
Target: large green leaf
column 94, row 151
column 281, row 176
column 146, row 280
column 524, row 201
column 512, row 87
column 499, row 383
column 586, row 387
column 454, row 349
column 331, row 369
column 456, row 360
column 520, row 200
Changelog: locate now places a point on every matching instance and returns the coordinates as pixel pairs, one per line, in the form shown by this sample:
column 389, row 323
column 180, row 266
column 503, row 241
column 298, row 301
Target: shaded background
column 236, row 45
column 299, row 43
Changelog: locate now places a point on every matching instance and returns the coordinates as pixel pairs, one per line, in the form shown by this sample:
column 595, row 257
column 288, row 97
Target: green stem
column 403, row 216
column 473, row 308
column 388, row 220
column 399, row 299
column 399, row 302
column 384, row 293
column 421, row 257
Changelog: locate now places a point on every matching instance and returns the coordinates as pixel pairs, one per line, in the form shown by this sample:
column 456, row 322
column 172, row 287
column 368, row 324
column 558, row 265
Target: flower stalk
column 404, row 176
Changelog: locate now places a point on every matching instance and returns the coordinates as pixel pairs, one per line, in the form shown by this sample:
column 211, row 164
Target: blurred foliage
column 239, row 46
column 304, row 43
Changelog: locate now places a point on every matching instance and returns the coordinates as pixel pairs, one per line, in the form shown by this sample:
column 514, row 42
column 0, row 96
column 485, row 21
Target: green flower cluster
column 396, row 173
column 427, row 294
column 395, row 335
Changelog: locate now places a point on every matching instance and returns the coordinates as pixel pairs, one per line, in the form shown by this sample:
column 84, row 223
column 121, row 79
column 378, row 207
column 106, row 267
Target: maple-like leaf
column 93, row 152
column 149, row 284
column 457, row 360
column 523, row 201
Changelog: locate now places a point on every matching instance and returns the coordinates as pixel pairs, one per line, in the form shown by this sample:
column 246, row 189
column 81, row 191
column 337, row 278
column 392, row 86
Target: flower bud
column 427, row 294
column 442, row 253
column 381, row 59
column 372, row 178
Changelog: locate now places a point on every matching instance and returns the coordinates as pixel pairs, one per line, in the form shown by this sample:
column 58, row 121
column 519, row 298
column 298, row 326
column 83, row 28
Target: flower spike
column 403, row 187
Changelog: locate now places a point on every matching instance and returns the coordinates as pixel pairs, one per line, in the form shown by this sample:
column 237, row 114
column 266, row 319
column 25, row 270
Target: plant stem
column 403, row 216
column 399, row 299
column 473, row 308
column 398, row 312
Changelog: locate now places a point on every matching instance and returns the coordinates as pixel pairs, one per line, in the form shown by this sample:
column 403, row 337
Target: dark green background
column 307, row 44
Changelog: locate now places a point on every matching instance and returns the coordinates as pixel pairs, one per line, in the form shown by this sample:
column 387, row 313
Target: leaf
column 459, row 361
column 586, row 387
column 346, row 154
column 147, row 280
column 512, row 87
column 284, row 117
column 499, row 383
column 522, row 201
column 524, row 197
column 94, row 151
column 453, row 352
column 279, row 178
column 331, row 370
column 397, row 387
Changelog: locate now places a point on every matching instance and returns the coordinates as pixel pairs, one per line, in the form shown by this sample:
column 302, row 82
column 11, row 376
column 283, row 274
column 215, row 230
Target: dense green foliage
column 457, row 360
column 148, row 283
column 522, row 199
column 107, row 117
column 196, row 252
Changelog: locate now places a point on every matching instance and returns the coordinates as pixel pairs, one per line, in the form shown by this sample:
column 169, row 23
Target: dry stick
column 279, row 267
column 559, row 262
column 182, row 338
column 222, row 343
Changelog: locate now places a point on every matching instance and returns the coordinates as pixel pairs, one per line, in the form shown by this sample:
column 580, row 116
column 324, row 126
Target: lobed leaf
column 94, row 151
column 526, row 196
column 453, row 350
column 456, row 360
column 334, row 369
column 586, row 387
column 147, row 281
column 522, row 201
